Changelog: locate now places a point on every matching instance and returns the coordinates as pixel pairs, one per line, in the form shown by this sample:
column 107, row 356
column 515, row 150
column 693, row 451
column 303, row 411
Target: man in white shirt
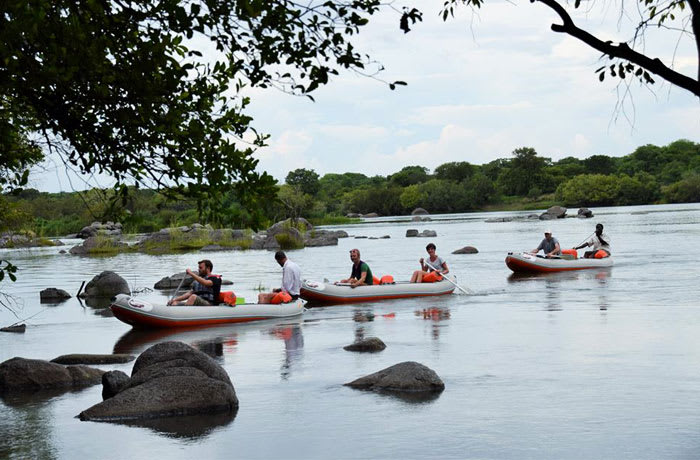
column 600, row 242
column 291, row 281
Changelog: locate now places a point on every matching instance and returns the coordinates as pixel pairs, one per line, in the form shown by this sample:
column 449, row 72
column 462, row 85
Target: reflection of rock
column 466, row 250
column 112, row 383
column 19, row 374
column 408, row 376
column 411, row 232
column 79, row 358
column 212, row 248
column 53, row 295
column 368, row 345
column 584, row 213
column 420, row 219
column 419, row 212
column 169, row 379
column 107, row 284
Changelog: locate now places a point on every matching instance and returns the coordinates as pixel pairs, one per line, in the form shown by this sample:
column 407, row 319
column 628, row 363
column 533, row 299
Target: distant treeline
column 651, row 174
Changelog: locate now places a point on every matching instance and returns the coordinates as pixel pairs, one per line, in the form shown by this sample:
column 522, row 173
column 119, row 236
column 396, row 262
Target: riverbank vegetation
column 525, row 180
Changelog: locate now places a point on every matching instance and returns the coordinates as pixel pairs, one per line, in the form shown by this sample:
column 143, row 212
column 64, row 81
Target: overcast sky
column 479, row 86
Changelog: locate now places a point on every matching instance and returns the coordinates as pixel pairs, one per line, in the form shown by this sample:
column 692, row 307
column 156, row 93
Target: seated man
column 205, row 288
column 599, row 241
column 432, row 270
column 291, row 282
column 361, row 275
column 549, row 245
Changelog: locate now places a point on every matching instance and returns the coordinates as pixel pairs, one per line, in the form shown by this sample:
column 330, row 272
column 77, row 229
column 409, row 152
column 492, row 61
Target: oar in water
column 466, row 291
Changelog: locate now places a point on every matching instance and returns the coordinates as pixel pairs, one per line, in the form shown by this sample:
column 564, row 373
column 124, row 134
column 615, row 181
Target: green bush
column 684, row 191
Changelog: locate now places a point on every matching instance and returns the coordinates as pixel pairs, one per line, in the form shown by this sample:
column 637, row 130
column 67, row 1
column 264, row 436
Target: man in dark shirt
column 549, row 245
column 361, row 274
column 205, row 288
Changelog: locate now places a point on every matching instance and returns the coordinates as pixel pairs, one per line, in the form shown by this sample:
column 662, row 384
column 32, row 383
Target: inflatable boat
column 321, row 292
column 524, row 262
column 141, row 313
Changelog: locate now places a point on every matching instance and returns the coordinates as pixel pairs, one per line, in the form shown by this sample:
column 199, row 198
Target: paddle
column 581, row 243
column 466, row 291
column 178, row 289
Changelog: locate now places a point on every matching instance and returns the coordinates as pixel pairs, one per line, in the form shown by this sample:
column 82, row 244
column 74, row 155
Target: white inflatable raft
column 317, row 291
column 524, row 262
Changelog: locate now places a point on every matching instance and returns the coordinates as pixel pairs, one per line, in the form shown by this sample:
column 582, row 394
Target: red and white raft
column 141, row 313
column 320, row 292
column 529, row 263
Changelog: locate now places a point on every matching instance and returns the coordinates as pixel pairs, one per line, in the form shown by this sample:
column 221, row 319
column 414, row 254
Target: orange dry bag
column 281, row 297
column 387, row 279
column 227, row 297
column 571, row 252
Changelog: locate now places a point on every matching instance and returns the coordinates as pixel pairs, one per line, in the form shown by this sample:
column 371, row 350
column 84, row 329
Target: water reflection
column 192, row 427
column 436, row 315
column 293, row 346
column 26, row 425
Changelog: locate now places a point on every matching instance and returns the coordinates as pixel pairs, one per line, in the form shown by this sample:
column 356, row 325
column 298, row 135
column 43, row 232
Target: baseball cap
column 548, row 231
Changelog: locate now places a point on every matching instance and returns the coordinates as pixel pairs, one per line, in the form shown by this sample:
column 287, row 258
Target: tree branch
column 623, row 51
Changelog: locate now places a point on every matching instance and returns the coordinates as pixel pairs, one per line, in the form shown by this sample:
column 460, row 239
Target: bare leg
column 191, row 299
column 265, row 297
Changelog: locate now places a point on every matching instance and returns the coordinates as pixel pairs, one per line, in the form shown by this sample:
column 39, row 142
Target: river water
column 594, row 364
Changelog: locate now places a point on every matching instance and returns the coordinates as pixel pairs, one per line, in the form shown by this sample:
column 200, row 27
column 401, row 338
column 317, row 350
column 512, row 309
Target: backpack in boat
column 227, row 297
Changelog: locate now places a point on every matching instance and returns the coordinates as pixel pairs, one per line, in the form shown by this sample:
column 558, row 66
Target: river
column 594, row 364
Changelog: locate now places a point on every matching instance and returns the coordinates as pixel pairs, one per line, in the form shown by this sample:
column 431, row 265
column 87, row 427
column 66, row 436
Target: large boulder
column 323, row 239
column 367, row 345
column 300, row 224
column 466, row 250
column 20, row 374
column 427, row 234
column 17, row 328
column 98, row 228
column 419, row 212
column 106, row 284
column 80, row 358
column 584, row 213
column 173, row 281
column 53, row 295
column 411, row 233
column 169, row 379
column 408, row 376
column 555, row 212
column 97, row 244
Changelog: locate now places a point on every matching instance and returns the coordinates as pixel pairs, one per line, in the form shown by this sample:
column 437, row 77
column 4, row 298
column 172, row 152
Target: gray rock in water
column 300, row 224
column 420, row 219
column 63, row 251
column 51, row 295
column 545, row 216
column 466, row 250
column 557, row 212
column 19, row 328
column 584, row 213
column 87, row 232
column 408, row 376
column 384, row 237
column 498, row 219
column 93, row 242
column 320, row 240
column 79, row 358
column 419, row 212
column 368, row 345
column 169, row 379
column 106, row 284
column 427, row 234
column 112, row 383
column 411, row 233
column 533, row 216
column 20, row 374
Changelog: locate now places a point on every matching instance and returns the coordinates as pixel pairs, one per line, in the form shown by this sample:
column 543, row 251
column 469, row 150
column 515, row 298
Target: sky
column 479, row 86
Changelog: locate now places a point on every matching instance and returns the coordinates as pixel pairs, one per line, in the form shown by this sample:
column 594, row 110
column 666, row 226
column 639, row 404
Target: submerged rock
column 408, row 376
column 411, row 232
column 555, row 212
column 169, row 379
column 79, row 358
column 427, row 234
column 106, row 284
column 50, row 295
column 498, row 219
column 368, row 345
column 584, row 213
column 466, row 250
column 20, row 374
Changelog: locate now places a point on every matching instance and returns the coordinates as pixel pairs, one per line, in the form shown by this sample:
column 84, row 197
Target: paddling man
column 291, row 281
column 205, row 288
column 361, row 274
column 549, row 245
column 433, row 272
column 599, row 241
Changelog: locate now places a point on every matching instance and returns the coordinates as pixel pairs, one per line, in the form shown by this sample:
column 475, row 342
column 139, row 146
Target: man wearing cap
column 549, row 245
column 599, row 241
column 361, row 274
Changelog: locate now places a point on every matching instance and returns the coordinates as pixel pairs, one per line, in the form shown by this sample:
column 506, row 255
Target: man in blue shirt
column 549, row 245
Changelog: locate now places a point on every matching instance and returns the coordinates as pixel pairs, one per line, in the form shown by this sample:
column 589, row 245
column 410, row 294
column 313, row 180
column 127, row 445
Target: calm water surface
column 595, row 364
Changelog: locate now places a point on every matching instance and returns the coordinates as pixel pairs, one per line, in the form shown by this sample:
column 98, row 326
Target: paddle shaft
column 178, row 288
column 445, row 277
column 581, row 243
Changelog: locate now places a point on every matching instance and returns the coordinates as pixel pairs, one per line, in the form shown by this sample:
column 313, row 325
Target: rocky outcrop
column 555, row 212
column 300, row 223
column 408, row 376
column 99, row 244
column 584, row 213
column 421, row 219
column 367, row 345
column 427, row 234
column 25, row 240
column 112, row 383
column 99, row 228
column 466, row 250
column 169, row 379
column 491, row 220
column 106, row 284
column 53, row 295
column 353, row 215
column 411, row 233
column 20, row 375
column 80, row 358
column 316, row 238
column 419, row 212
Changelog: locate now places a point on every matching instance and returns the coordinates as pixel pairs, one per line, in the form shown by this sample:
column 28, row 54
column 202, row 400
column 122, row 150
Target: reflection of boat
column 140, row 313
column 524, row 262
column 317, row 291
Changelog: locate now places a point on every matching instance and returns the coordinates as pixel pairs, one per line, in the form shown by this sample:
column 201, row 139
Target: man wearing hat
column 549, row 245
column 599, row 241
